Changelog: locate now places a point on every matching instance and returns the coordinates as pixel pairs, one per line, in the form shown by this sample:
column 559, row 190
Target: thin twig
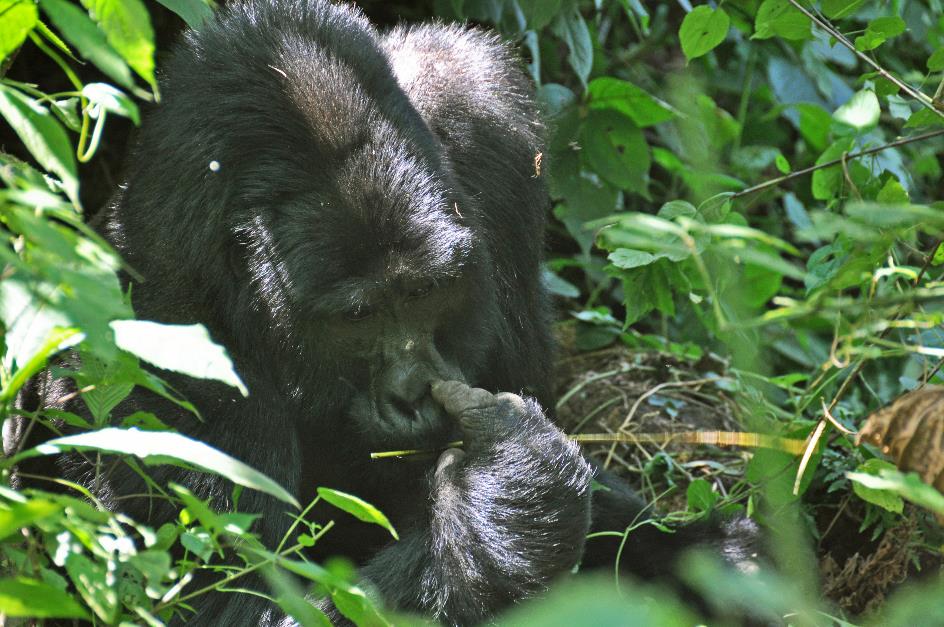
column 829, row 164
column 924, row 99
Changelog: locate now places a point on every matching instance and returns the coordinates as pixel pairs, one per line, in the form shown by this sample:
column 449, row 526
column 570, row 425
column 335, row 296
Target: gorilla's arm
column 506, row 516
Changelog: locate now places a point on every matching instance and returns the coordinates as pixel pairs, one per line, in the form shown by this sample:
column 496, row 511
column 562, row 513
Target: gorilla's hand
column 507, row 515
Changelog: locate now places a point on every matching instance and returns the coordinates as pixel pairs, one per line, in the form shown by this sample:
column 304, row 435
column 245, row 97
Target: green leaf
column 187, row 349
column 779, row 18
column 95, row 584
column 161, row 447
column 924, row 117
column 113, row 100
column 29, row 598
column 828, row 181
column 893, row 193
column 627, row 258
column 908, row 486
column 617, row 150
column 17, row 19
column 539, row 13
column 572, row 29
column 612, row 93
column 700, row 496
column 936, row 61
column 880, row 30
column 838, row 9
column 127, row 27
column 860, row 112
column 88, row 39
column 20, row 515
column 357, row 507
column 703, row 29
column 43, row 136
column 815, row 123
column 885, row 499
column 193, row 12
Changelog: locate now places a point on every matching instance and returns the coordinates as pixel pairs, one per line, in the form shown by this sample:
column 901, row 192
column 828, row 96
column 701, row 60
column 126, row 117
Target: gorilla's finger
column 449, row 458
column 457, row 398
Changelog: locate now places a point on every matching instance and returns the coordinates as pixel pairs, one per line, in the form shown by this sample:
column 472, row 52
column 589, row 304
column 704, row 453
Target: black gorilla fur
column 371, row 225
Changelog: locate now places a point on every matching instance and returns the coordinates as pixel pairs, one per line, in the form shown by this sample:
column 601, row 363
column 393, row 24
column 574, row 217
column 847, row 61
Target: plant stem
column 905, row 87
column 853, row 155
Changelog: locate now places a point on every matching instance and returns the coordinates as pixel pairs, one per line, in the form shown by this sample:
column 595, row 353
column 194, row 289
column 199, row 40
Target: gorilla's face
column 373, row 273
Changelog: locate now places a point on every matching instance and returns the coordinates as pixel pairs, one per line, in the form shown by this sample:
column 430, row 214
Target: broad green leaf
column 17, row 515
column 96, row 585
column 572, row 29
column 700, row 496
column 29, row 598
column 627, row 258
column 861, row 112
column 80, row 31
column 357, row 507
column 838, row 9
column 193, row 12
column 828, row 181
column 908, row 486
column 885, row 499
column 703, row 29
column 893, row 193
column 17, row 19
column 43, row 136
column 782, row 164
column 112, row 100
column 779, row 18
column 539, row 13
column 32, row 329
column 616, row 149
column 127, row 27
column 936, row 61
column 187, row 349
column 815, row 124
column 160, row 447
column 612, row 93
column 925, row 117
column 880, row 30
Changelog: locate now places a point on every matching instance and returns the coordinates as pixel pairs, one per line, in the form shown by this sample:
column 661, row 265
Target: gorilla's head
column 302, row 208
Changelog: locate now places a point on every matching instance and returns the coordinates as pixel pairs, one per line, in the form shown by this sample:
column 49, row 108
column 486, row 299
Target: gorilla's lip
column 422, row 430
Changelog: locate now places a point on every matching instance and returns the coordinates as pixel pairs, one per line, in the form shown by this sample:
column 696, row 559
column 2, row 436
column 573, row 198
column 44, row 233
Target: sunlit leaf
column 80, row 31
column 127, row 27
column 862, row 111
column 357, row 507
column 42, row 135
column 111, row 99
column 187, row 349
column 161, row 447
column 29, row 598
column 17, row 19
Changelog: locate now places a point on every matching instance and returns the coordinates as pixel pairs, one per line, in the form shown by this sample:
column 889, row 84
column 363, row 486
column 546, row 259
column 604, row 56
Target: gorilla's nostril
column 404, row 409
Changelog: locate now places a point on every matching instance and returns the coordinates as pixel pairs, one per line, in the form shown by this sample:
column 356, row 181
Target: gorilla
column 358, row 218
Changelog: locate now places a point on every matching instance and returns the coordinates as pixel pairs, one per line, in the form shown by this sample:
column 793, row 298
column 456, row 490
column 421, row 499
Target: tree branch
column 905, row 87
column 828, row 164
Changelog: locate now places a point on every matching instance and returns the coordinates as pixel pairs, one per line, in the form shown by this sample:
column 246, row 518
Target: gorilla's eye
column 422, row 290
column 358, row 312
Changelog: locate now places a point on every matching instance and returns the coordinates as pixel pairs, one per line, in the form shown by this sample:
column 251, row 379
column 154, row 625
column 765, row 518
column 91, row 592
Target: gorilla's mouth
column 423, row 424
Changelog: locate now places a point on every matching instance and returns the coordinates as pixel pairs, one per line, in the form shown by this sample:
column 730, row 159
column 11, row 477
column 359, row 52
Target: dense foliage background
column 746, row 197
